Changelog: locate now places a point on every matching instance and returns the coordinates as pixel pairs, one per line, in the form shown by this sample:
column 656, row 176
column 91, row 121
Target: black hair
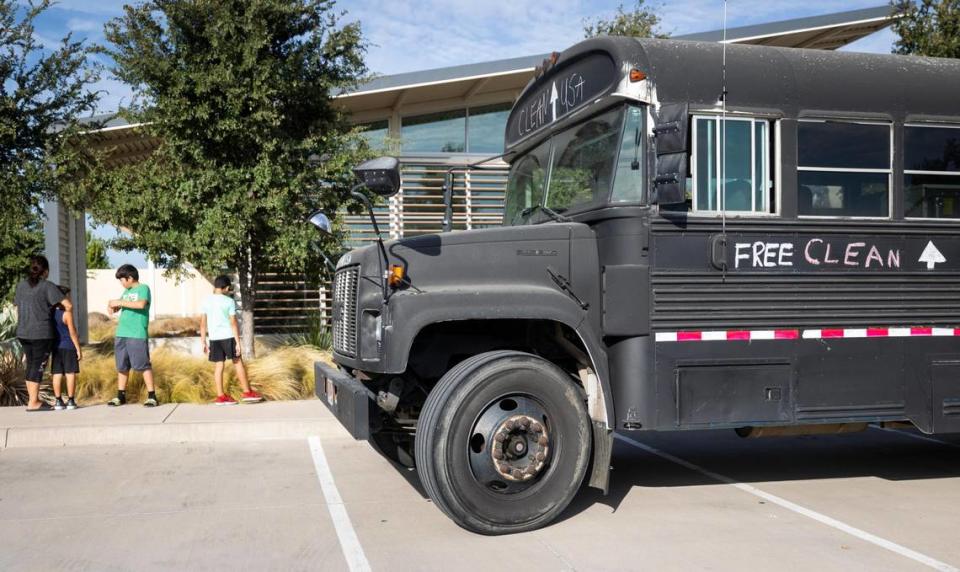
column 222, row 282
column 128, row 271
column 38, row 266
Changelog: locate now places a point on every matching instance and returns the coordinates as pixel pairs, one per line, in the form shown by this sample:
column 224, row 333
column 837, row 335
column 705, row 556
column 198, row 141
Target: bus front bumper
column 348, row 399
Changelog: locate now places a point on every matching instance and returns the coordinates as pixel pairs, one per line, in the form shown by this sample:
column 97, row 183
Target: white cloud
column 83, row 25
column 114, row 94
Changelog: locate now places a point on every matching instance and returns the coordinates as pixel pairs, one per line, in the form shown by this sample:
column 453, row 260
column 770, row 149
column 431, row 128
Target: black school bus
column 771, row 247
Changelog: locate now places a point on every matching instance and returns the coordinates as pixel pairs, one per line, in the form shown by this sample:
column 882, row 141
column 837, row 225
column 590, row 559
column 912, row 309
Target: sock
column 122, row 395
column 152, row 395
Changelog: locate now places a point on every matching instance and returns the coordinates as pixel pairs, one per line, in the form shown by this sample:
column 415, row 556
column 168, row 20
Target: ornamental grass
column 282, row 374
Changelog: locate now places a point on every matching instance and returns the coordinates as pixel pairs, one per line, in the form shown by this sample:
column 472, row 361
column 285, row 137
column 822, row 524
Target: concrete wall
column 170, row 297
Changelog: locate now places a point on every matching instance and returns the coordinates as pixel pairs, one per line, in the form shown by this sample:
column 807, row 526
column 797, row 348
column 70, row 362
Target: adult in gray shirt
column 35, row 298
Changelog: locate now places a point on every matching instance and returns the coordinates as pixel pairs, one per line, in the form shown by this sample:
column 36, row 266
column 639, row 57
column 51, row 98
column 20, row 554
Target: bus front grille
column 345, row 283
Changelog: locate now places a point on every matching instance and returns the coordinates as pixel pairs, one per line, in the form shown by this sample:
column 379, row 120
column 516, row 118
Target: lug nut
column 542, row 441
column 508, row 425
column 541, row 456
column 536, row 427
column 500, row 437
column 517, row 473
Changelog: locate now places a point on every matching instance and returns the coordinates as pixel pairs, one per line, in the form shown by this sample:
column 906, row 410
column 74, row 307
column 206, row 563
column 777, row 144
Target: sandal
column 43, row 407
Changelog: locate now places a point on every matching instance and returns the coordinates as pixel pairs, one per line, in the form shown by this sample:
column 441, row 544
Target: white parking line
column 915, row 436
column 349, row 543
column 821, row 518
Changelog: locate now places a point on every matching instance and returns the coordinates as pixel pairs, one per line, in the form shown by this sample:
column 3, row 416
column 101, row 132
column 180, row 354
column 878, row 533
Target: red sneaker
column 251, row 397
column 225, row 400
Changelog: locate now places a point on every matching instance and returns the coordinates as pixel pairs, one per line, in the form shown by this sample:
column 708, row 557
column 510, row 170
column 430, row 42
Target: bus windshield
column 579, row 167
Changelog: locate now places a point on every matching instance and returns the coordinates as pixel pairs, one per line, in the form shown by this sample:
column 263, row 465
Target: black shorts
column 37, row 353
column 65, row 361
column 223, row 350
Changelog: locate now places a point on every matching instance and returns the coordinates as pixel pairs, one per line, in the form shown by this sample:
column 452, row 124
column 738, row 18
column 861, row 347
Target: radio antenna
column 723, row 125
column 723, row 141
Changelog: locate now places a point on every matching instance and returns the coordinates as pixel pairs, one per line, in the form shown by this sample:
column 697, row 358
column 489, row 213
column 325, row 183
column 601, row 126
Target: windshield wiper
column 547, row 210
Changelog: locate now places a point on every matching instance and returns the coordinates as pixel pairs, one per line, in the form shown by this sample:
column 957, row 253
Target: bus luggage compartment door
column 734, row 394
column 945, row 377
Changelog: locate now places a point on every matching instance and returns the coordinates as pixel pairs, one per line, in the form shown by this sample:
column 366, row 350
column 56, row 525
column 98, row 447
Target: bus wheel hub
column 520, row 449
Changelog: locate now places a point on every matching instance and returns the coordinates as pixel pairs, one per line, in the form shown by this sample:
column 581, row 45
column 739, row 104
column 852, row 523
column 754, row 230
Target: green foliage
column 96, row 253
column 641, row 22
column 239, row 94
column 317, row 334
column 42, row 93
column 927, row 28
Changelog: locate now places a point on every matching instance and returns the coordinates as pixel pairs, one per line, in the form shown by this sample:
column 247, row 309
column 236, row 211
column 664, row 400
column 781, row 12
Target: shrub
column 317, row 334
column 285, row 373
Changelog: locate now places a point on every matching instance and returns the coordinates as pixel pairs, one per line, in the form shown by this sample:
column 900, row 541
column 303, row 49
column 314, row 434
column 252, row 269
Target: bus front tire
column 503, row 442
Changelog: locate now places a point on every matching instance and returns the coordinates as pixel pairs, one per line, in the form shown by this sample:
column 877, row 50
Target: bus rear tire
column 503, row 442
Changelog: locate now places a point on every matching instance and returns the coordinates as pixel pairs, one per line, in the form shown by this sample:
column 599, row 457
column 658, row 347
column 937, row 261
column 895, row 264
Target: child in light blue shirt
column 219, row 320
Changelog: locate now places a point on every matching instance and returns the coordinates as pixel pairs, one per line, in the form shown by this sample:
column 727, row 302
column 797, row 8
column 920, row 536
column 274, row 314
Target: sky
column 408, row 36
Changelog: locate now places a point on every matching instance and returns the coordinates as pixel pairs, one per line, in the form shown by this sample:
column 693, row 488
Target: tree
column 43, row 92
column 96, row 253
column 641, row 22
column 927, row 28
column 238, row 93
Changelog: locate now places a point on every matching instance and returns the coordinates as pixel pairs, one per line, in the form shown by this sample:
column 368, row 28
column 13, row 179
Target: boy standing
column 66, row 356
column 131, row 341
column 220, row 318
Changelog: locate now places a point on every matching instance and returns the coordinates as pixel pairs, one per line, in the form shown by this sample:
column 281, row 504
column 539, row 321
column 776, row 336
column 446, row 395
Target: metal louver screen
column 345, row 310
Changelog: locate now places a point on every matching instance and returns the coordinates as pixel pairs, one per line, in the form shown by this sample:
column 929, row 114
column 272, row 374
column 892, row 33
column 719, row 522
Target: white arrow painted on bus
column 931, row 256
column 553, row 100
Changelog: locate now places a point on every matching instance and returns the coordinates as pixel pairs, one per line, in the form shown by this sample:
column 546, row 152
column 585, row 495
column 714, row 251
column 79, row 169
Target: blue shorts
column 132, row 353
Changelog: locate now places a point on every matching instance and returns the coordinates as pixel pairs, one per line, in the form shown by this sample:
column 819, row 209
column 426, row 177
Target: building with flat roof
column 452, row 117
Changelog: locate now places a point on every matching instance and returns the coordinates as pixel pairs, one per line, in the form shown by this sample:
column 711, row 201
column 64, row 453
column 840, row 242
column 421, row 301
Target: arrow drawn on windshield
column 553, row 100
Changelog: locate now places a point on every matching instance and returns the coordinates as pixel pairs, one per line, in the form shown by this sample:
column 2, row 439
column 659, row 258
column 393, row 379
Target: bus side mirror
column 380, row 175
column 670, row 141
column 669, row 182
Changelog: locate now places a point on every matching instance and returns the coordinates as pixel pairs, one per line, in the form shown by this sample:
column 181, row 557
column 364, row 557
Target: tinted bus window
column 843, row 169
column 931, row 172
column 843, row 145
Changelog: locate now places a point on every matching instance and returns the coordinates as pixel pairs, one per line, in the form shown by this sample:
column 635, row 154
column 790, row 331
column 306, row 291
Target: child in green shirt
column 131, row 343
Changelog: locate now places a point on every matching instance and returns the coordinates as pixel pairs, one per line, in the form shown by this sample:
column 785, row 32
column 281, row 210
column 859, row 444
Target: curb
column 168, row 433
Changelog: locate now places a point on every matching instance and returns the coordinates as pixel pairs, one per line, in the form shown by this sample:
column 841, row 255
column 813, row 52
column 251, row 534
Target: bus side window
column 744, row 184
column 628, row 180
column 931, row 171
column 846, row 167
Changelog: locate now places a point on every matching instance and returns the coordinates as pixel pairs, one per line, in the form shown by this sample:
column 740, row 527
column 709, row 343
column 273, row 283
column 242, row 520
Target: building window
column 843, row 169
column 485, row 128
column 744, row 185
column 435, row 133
column 376, row 134
column 931, row 171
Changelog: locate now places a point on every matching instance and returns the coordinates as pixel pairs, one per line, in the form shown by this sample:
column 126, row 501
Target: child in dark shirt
column 66, row 356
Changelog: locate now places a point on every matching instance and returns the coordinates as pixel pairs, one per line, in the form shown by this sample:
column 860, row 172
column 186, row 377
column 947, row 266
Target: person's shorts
column 65, row 361
column 223, row 350
column 37, row 353
column 132, row 353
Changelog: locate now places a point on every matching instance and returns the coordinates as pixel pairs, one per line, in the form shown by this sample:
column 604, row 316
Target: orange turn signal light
column 637, row 75
column 396, row 275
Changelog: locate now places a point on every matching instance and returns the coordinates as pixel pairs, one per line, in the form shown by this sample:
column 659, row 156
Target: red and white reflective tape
column 811, row 334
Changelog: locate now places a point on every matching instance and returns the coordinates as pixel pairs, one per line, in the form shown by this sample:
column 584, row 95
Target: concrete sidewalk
column 170, row 423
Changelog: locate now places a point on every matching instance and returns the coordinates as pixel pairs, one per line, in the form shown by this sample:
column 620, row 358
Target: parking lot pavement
column 875, row 500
